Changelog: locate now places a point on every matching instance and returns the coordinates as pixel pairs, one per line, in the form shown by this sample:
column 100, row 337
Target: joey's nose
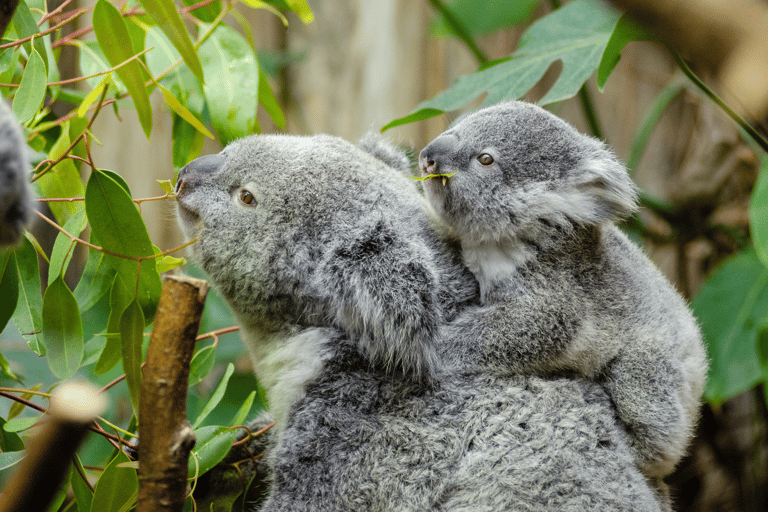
column 199, row 168
column 437, row 154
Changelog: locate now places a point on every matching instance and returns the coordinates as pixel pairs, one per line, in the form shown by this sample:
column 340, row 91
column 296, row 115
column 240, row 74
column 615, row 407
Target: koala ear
column 603, row 191
column 376, row 145
column 384, row 294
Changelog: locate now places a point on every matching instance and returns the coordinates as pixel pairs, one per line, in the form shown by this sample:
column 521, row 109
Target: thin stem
column 589, row 112
column 460, row 30
column 752, row 132
column 54, row 28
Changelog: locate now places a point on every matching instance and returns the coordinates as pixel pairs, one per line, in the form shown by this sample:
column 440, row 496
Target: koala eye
column 247, row 198
column 485, row 159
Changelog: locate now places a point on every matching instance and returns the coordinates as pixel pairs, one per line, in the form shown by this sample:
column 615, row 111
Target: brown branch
column 74, row 407
column 166, row 436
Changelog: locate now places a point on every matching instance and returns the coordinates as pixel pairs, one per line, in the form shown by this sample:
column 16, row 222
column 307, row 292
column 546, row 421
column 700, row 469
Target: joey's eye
column 247, row 198
column 485, row 159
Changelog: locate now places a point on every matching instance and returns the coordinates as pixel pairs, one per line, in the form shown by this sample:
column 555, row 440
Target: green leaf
column 206, row 13
column 8, row 372
column 627, row 29
column 167, row 187
column 63, row 180
column 182, row 112
column 576, row 34
column 9, row 441
column 167, row 262
column 25, row 24
column 213, row 444
column 131, row 338
column 730, row 305
column 62, row 330
column 244, row 410
column 96, row 280
column 187, row 142
column 116, row 486
column 201, row 364
column 167, row 17
column 9, row 283
column 114, row 40
column 758, row 212
column 83, row 494
column 231, row 83
column 112, row 352
column 485, row 16
column 216, row 397
column 63, row 247
column 10, row 459
column 94, row 95
column 120, row 229
column 31, row 91
column 301, row 7
column 28, row 316
column 268, row 100
column 20, row 424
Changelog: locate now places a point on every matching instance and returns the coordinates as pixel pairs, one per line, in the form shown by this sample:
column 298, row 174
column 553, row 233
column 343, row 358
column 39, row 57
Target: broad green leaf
column 5, row 366
column 269, row 102
column 168, row 262
column 63, row 247
column 167, row 17
column 201, row 364
column 26, row 25
column 730, row 306
column 187, row 142
column 481, row 17
column 116, row 486
column 231, row 83
column 96, row 280
column 9, row 441
column 216, row 397
column 182, row 112
column 62, row 330
column 120, row 229
column 244, row 410
column 63, row 181
column 758, row 212
column 213, row 444
column 31, row 91
column 576, row 34
column 94, row 95
column 112, row 353
column 28, row 316
column 20, row 424
column 83, row 494
column 114, row 40
column 627, row 29
column 131, row 338
column 9, row 284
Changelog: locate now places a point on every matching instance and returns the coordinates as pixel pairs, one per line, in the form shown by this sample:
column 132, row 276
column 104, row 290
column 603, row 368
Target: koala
column 16, row 200
column 344, row 287
column 533, row 204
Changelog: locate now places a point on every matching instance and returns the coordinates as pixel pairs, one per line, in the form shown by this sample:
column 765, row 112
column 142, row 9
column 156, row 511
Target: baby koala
column 533, row 202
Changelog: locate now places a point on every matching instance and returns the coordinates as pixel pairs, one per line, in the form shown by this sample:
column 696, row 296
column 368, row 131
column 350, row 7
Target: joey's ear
column 384, row 295
column 608, row 193
column 376, row 145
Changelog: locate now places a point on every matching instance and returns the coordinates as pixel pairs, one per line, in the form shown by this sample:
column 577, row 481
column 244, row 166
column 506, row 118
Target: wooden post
column 165, row 436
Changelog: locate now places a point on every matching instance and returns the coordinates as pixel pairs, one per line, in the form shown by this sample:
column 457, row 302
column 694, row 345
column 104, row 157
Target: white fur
column 494, row 261
column 285, row 364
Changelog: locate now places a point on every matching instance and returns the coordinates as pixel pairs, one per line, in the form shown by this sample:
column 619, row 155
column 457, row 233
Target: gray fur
column 16, row 202
column 345, row 294
column 564, row 290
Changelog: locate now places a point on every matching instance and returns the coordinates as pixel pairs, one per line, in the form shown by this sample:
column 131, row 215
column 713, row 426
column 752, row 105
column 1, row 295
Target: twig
column 460, row 30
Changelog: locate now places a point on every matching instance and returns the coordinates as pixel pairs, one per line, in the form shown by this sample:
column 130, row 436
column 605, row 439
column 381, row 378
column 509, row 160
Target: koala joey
column 343, row 288
column 16, row 202
column 533, row 202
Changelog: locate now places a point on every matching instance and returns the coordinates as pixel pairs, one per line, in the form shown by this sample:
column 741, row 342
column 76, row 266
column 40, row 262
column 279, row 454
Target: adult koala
column 16, row 203
column 345, row 293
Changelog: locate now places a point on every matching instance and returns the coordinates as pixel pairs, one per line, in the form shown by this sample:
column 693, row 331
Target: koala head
column 314, row 231
column 16, row 202
column 519, row 170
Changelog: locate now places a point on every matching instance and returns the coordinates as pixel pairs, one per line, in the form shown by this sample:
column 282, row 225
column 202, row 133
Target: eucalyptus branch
column 751, row 131
column 460, row 30
column 54, row 28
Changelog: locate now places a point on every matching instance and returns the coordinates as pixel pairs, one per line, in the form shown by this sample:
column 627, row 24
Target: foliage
column 211, row 80
column 587, row 36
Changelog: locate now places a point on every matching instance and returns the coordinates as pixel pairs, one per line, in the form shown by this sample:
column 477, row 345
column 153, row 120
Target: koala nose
column 437, row 154
column 198, row 169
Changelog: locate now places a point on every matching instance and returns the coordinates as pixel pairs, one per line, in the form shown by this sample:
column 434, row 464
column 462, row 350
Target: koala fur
column 344, row 291
column 16, row 201
column 533, row 202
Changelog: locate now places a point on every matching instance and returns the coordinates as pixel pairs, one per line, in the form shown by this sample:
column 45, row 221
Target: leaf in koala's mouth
column 430, row 176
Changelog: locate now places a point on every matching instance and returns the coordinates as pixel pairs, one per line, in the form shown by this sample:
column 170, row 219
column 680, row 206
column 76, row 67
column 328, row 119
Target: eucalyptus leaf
column 62, row 330
column 213, row 444
column 28, row 316
column 9, row 284
column 216, row 397
column 112, row 352
column 201, row 364
column 168, row 19
column 63, row 247
column 31, row 91
column 116, row 486
column 63, row 181
column 730, row 306
column 96, row 280
column 131, row 338
column 758, row 212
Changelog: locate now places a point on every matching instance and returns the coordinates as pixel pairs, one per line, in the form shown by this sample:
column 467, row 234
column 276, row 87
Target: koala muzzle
column 198, row 170
column 434, row 158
